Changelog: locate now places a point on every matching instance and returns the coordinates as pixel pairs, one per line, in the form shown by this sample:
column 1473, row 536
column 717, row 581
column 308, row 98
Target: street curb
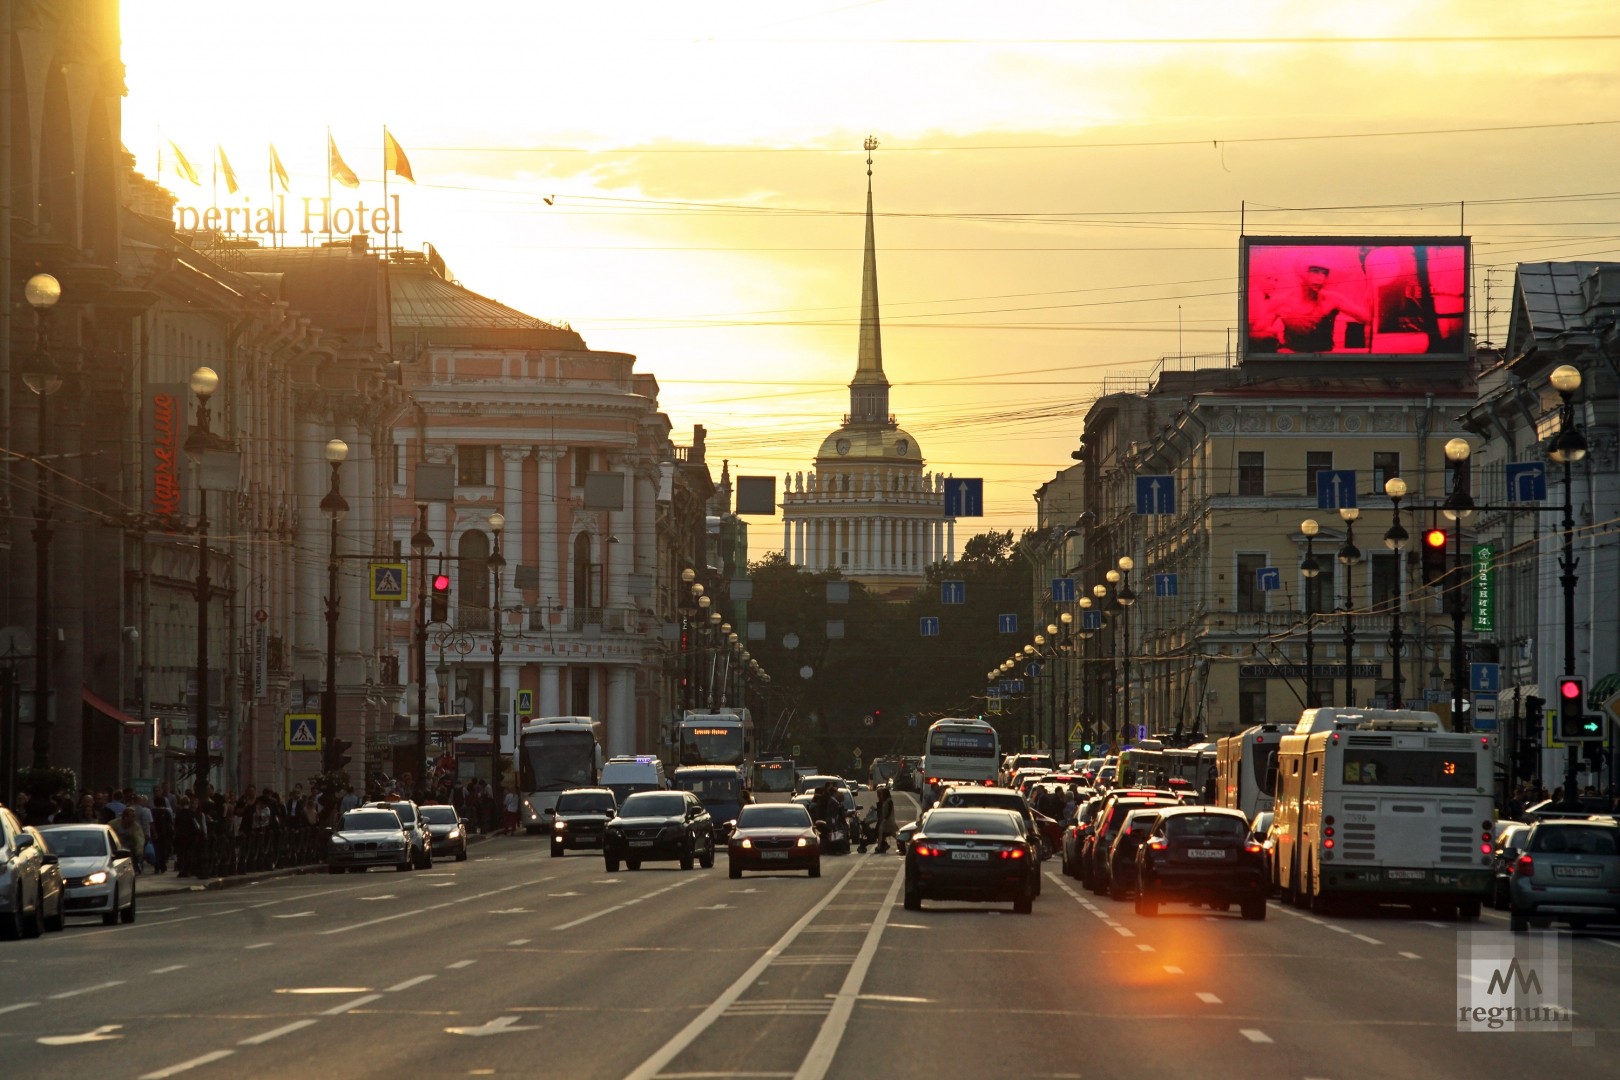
column 176, row 886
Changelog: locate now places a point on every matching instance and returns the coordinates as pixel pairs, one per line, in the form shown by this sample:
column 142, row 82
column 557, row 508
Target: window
column 401, row 471
column 1316, row 461
column 1248, row 594
column 1251, row 701
column 472, row 586
column 1386, row 465
column 582, row 465
column 1251, row 472
column 471, row 466
column 1386, row 581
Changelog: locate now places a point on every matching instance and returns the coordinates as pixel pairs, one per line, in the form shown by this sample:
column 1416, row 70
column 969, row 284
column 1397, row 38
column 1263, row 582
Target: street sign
column 1485, row 712
column 1484, row 588
column 1526, row 481
column 1485, row 678
column 1091, row 620
column 1612, row 707
column 1006, row 624
column 928, row 626
column 867, row 720
column 1029, row 743
column 301, row 731
column 1033, row 669
column 1335, row 489
column 1063, row 590
column 1165, row 585
column 795, row 749
column 1156, row 494
column 388, row 581
column 953, row 592
column 964, row 497
column 911, row 721
column 1077, row 735
column 1268, row 579
column 1141, row 732
column 525, row 703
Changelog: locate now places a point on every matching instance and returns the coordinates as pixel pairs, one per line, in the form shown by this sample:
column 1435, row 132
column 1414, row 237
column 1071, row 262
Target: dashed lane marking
column 276, row 1033
column 86, row 990
column 1368, row 940
column 1411, row 956
column 461, row 964
column 1173, row 970
column 187, row 1066
column 1254, row 1035
column 364, row 999
column 408, row 983
column 166, row 970
column 1208, row 998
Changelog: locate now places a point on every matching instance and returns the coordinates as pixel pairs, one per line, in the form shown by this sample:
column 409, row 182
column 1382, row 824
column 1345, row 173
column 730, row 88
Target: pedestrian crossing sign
column 388, row 581
column 301, row 731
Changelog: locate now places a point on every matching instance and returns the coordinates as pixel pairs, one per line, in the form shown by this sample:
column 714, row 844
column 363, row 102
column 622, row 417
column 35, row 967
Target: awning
column 130, row 725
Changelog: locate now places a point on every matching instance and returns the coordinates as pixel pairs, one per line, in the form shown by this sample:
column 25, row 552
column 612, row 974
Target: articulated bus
column 961, row 750
column 555, row 753
column 718, row 738
column 1382, row 805
column 1245, row 768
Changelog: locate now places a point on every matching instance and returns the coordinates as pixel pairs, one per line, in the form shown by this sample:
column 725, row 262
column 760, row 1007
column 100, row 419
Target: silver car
column 1569, row 871
column 22, row 880
column 98, row 874
column 448, row 830
column 369, row 836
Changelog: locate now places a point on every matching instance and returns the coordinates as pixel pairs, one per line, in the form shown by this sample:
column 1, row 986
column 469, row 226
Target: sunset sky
column 1061, row 187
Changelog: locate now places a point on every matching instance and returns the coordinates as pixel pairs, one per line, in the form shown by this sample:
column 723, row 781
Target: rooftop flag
column 278, row 171
column 182, row 166
column 394, row 159
column 335, row 168
column 226, row 171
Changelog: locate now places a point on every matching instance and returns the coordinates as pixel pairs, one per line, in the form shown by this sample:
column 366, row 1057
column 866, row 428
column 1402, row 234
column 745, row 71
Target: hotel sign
column 317, row 216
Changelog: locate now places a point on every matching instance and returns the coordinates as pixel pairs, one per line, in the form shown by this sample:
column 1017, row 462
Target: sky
column 1060, row 191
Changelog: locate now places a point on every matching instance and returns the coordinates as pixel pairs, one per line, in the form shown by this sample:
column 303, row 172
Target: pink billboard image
column 1355, row 297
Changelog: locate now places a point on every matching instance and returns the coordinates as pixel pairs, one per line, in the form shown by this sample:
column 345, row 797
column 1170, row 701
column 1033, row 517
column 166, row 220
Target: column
column 313, row 473
column 621, row 710
column 354, row 538
column 546, row 535
column 615, row 558
column 950, row 540
column 510, row 502
column 550, row 703
column 787, row 540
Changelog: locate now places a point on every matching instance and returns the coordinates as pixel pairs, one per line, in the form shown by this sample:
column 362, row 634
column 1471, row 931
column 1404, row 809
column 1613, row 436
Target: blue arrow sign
column 1091, row 620
column 1335, row 488
column 964, row 497
column 953, row 592
column 1485, row 678
column 1526, row 481
column 1156, row 494
column 1268, row 579
column 1006, row 624
column 928, row 626
column 1063, row 590
column 1165, row 585
column 1033, row 668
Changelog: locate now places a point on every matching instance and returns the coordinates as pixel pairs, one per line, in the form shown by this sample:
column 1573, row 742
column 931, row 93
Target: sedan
column 52, row 893
column 774, row 836
column 23, row 875
column 369, row 836
column 654, row 825
column 449, row 832
column 1570, row 871
column 98, row 874
column 1202, row 854
column 971, row 854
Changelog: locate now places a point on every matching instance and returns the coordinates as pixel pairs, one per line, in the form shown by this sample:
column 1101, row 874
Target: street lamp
column 1126, row 598
column 43, row 378
column 1457, row 507
column 1349, row 555
column 1395, row 539
column 497, row 563
column 334, row 507
column 421, row 544
column 1567, row 447
column 1310, row 569
column 204, row 381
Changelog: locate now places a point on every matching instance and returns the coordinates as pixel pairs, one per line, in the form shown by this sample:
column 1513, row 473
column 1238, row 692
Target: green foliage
column 46, row 782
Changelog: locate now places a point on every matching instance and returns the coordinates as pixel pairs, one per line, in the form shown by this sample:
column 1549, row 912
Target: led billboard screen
column 1370, row 297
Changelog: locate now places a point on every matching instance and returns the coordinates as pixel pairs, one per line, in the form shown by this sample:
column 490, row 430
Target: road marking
column 408, row 983
column 820, row 1058
column 498, row 1026
column 157, row 910
column 294, row 915
column 19, row 1005
column 519, row 941
column 1121, row 931
column 621, row 907
column 715, row 907
column 1208, row 998
column 86, row 990
column 1145, row 948
column 511, row 911
column 101, row 1034
column 166, row 970
column 1254, row 1035
column 287, row 1029
column 433, row 907
column 461, row 964
column 1368, row 940
column 364, row 999
column 441, row 884
column 1411, row 956
column 1172, row 969
column 1606, row 941
column 184, row 1066
column 1339, row 929
column 1436, row 925
column 560, row 894
column 260, row 945
column 389, row 896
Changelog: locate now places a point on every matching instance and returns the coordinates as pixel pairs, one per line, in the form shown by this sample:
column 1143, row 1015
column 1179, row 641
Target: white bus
column 555, row 753
column 1141, row 765
column 717, row 738
column 1190, row 763
column 1245, row 767
column 963, row 751
column 1383, row 806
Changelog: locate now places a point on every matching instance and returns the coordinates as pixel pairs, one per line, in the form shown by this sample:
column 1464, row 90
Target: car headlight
column 559, row 825
column 97, row 878
column 528, row 807
column 745, row 843
column 453, row 833
column 803, row 842
column 340, row 841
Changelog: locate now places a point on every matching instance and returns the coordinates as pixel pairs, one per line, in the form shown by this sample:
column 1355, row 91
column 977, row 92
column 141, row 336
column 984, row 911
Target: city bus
column 961, row 750
column 555, row 753
column 717, row 738
column 775, row 776
column 1245, row 769
column 1383, row 806
column 1190, row 763
column 1141, row 765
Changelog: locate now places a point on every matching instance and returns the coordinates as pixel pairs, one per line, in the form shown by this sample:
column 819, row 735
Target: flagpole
column 385, row 188
column 329, row 146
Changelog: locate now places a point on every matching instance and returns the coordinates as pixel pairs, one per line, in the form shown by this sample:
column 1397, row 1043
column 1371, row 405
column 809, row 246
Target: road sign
column 1063, row 590
column 1006, row 624
column 1485, row 712
column 1077, row 735
column 525, row 704
column 867, row 720
column 388, row 581
column 928, row 626
column 1033, row 669
column 1165, row 585
column 1485, row 678
column 1268, row 579
column 1141, row 732
column 1029, row 742
column 1335, row 489
column 1091, row 620
column 953, row 592
column 964, row 497
column 301, row 731
column 795, row 749
column 1526, row 481
column 911, row 721
column 1612, row 707
column 1156, row 494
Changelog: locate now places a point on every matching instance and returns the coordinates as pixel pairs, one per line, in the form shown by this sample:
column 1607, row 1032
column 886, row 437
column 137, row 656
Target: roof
column 869, row 444
column 1550, row 298
column 429, row 309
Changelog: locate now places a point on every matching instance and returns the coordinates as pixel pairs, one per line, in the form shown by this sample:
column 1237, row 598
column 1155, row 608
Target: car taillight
column 1254, row 849
column 1525, row 867
column 989, row 783
column 1012, row 853
column 1157, row 845
column 924, row 850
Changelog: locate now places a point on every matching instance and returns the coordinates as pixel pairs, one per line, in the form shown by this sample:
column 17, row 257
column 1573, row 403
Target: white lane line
column 1207, row 998
column 86, row 990
column 166, row 970
column 288, row 1029
column 1368, row 940
column 1121, row 931
column 260, row 945
column 461, row 964
column 184, row 1066
column 588, row 918
column 519, row 941
column 1254, row 1035
column 1145, row 948
column 1606, row 941
column 820, row 1058
column 1411, row 956
column 408, row 983
column 1339, row 929
column 19, row 1005
column 654, row 1065
column 157, row 910
column 433, row 907
column 364, row 999
column 1436, row 925
column 1173, row 970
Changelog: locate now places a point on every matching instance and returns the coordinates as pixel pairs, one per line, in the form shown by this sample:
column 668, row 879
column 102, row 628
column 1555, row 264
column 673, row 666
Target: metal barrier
column 255, row 851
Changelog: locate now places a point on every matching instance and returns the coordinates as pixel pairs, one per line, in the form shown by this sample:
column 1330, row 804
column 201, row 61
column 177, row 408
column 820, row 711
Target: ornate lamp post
column 204, row 381
column 1457, row 507
column 1565, row 448
column 1126, row 598
column 497, row 725
column 1310, row 569
column 1395, row 539
column 42, row 377
column 1349, row 555
column 334, row 506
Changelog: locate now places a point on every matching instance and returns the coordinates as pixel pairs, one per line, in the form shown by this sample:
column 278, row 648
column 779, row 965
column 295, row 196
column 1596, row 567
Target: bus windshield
column 555, row 760
column 711, row 744
column 970, row 744
column 774, row 776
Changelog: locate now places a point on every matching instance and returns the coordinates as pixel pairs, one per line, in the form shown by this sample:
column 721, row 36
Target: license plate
column 971, row 856
column 773, row 854
column 1207, row 853
column 641, row 843
column 1404, row 875
column 1575, row 871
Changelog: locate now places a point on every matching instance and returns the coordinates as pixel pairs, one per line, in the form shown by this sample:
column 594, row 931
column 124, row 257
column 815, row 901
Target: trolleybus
column 555, row 753
column 963, row 751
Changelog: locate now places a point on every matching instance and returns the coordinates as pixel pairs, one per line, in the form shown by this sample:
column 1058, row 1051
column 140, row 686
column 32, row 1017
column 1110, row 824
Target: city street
column 515, row 963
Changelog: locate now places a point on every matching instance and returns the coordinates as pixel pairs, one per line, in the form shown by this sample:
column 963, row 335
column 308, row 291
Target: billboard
column 1370, row 297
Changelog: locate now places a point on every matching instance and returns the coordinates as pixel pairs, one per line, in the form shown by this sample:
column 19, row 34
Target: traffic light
column 1573, row 723
column 1085, row 748
column 337, row 754
column 1435, row 542
column 441, row 599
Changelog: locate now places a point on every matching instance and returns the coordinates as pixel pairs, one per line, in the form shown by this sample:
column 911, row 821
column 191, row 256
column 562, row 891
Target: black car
column 1202, row 854
column 1506, row 847
column 659, row 826
column 971, row 854
column 1120, row 869
column 581, row 819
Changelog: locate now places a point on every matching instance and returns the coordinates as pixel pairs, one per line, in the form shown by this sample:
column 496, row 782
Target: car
column 659, row 825
column 1005, row 799
column 581, row 819
column 1554, row 809
column 54, row 903
column 1110, row 816
column 1078, row 831
column 836, row 840
column 1119, row 870
column 971, row 853
column 1201, row 854
column 99, row 876
column 448, row 830
column 1568, row 871
column 22, row 880
column 421, row 840
column 1260, row 833
column 810, row 783
column 1506, row 846
column 369, row 836
column 774, row 836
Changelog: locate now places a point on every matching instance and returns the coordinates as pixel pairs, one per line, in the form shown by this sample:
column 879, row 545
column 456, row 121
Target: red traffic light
column 441, row 582
column 1569, row 688
column 1434, row 538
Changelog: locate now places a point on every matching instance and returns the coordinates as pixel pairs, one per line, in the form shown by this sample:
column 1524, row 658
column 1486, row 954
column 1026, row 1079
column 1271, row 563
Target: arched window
column 472, row 585
column 587, row 575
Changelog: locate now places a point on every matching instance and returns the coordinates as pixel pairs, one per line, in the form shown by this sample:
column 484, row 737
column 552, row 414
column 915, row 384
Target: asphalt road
column 517, row 964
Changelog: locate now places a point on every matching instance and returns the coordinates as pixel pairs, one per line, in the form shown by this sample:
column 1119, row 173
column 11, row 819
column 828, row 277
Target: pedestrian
column 130, row 836
column 886, row 824
column 162, row 834
column 509, row 825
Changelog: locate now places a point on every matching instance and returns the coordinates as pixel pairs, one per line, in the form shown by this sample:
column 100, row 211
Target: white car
column 99, row 876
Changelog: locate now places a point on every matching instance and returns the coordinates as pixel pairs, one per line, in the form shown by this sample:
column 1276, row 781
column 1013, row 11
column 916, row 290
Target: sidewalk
column 171, row 884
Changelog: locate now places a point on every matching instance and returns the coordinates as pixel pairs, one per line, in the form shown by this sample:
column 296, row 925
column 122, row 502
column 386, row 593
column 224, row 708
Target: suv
column 1002, row 799
column 1119, row 872
column 581, row 819
column 628, row 774
column 1568, row 870
column 659, row 825
column 415, row 828
column 1202, row 854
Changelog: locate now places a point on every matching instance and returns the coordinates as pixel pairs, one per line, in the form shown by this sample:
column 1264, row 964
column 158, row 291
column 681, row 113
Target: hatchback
column 98, row 874
column 1569, row 871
